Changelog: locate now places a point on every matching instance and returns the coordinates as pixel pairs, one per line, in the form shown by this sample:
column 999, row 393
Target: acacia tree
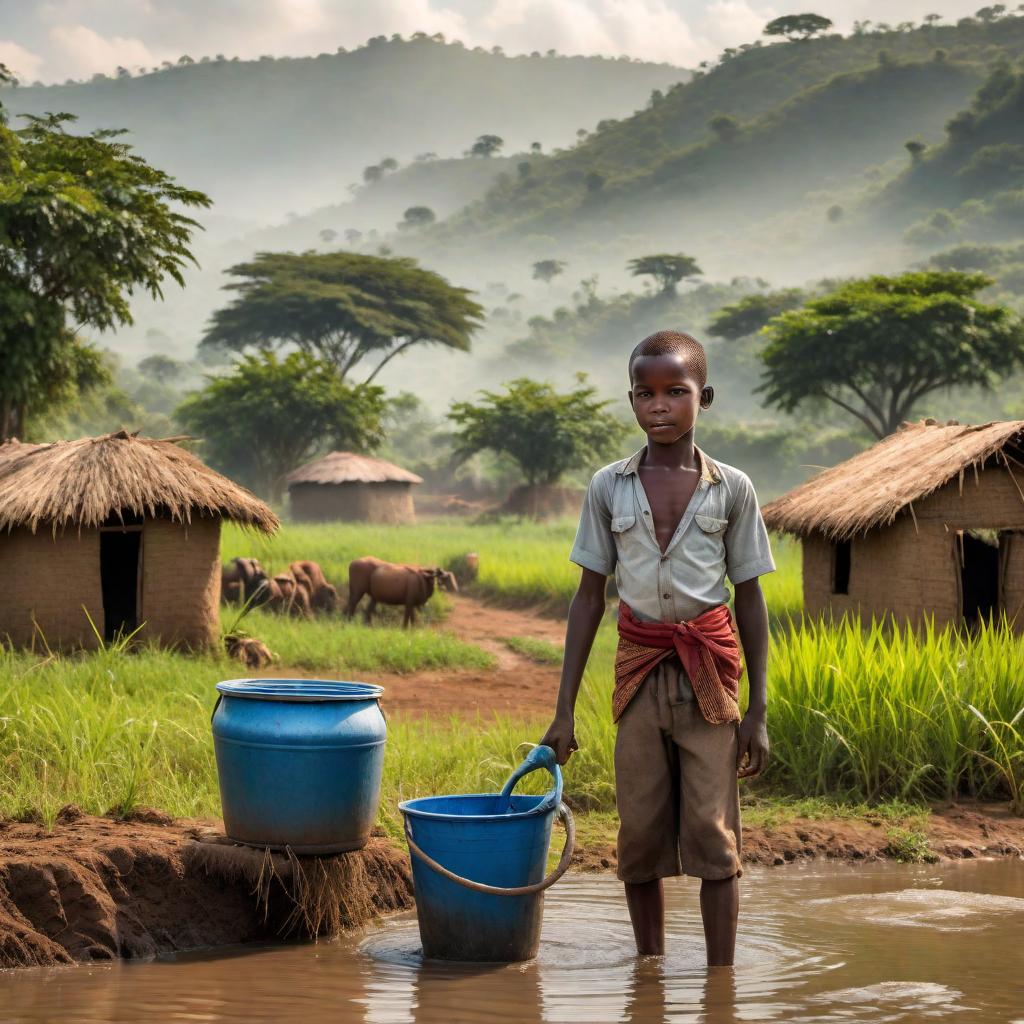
column 745, row 318
column 668, row 269
column 544, row 432
column 341, row 307
column 797, row 26
column 548, row 270
column 875, row 347
column 269, row 415
column 83, row 222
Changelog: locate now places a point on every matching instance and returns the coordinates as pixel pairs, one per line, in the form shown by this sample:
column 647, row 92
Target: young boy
column 672, row 524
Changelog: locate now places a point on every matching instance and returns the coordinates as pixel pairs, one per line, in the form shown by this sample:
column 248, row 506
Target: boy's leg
column 646, row 902
column 710, row 822
column 647, row 795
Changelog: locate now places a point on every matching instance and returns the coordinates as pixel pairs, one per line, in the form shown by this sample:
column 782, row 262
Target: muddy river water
column 877, row 943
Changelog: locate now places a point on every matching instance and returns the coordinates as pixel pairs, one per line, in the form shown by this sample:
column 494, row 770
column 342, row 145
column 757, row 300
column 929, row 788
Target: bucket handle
column 540, row 756
column 520, row 890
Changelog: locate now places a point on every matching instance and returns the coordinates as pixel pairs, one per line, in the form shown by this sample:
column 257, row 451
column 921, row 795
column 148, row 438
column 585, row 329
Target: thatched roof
column 348, row 468
column 871, row 488
column 82, row 483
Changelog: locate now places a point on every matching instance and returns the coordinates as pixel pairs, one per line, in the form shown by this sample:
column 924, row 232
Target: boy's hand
column 753, row 745
column 561, row 738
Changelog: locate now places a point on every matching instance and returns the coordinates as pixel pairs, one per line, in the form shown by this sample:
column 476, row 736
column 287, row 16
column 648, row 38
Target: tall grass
column 857, row 715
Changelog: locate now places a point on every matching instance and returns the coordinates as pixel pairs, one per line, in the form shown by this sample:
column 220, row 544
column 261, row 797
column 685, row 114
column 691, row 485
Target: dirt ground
column 517, row 685
column 98, row 888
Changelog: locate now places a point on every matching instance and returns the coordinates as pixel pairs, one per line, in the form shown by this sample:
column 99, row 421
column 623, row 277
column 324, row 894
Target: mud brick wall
column 181, row 582
column 389, row 503
column 910, row 568
column 49, row 578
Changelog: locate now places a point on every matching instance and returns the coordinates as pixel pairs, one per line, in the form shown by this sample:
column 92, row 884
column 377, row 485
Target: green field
column 522, row 564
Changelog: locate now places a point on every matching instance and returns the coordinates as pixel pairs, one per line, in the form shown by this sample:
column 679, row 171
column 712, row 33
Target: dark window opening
column 841, row 567
column 119, row 580
column 979, row 577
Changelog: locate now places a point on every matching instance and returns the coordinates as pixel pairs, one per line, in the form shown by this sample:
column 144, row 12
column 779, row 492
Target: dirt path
column 516, row 685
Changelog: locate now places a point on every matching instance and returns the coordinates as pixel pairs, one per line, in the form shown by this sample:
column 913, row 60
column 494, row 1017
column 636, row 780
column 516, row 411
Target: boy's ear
column 629, row 395
column 707, row 396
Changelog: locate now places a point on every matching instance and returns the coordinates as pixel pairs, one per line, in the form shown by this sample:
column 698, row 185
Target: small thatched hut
column 344, row 485
column 123, row 528
column 928, row 521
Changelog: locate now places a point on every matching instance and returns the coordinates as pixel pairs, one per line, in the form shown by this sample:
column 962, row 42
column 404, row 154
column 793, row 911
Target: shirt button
column 646, row 513
column 666, row 596
column 664, row 558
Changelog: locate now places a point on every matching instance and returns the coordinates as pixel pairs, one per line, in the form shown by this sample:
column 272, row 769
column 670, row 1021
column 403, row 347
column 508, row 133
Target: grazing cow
column 288, row 595
column 387, row 583
column 243, row 579
column 322, row 595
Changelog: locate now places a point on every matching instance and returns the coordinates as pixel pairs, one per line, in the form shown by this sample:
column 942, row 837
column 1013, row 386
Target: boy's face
column 666, row 398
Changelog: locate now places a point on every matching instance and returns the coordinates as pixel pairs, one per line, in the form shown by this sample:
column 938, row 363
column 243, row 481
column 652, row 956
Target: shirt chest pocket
column 622, row 525
column 708, row 539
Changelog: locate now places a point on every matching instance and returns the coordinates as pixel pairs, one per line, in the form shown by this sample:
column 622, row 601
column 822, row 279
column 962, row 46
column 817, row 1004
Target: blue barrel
column 299, row 762
column 478, row 866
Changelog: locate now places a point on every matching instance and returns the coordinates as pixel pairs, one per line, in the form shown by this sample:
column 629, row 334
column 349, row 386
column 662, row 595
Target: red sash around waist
column 708, row 648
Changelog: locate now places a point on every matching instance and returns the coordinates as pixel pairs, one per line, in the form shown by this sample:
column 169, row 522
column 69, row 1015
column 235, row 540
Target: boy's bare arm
column 752, row 622
column 585, row 614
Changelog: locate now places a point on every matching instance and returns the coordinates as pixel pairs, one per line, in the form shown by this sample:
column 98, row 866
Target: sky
column 53, row 41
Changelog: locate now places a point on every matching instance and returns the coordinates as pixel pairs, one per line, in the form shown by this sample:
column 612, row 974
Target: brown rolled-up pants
column 675, row 784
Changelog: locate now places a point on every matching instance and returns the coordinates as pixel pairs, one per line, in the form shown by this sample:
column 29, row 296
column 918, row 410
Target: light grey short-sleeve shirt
column 720, row 534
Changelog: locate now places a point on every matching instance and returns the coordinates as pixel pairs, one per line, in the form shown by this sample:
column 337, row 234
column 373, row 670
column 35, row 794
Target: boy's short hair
column 670, row 343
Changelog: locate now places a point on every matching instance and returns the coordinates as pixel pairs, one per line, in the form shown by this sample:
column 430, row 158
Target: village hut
column 118, row 529
column 343, row 485
column 927, row 523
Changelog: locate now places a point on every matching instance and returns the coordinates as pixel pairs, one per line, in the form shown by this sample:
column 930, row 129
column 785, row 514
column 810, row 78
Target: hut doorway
column 120, row 551
column 979, row 557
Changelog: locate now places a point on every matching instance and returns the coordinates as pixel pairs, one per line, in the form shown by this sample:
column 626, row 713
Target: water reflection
column 879, row 944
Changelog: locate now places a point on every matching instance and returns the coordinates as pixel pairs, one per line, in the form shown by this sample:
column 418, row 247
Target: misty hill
column 973, row 182
column 768, row 134
column 269, row 136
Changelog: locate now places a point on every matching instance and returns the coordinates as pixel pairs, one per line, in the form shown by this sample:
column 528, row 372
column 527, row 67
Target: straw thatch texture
column 84, row 482
column 873, row 487
column 349, row 468
column 388, row 503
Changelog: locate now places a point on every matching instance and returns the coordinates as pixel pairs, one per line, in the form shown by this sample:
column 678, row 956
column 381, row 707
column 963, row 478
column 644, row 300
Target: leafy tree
column 548, row 270
column 594, row 181
column 524, row 168
column 916, row 149
column 353, row 235
column 725, row 127
column 486, row 145
column 545, row 433
column 83, row 222
column 797, row 26
column 746, row 317
column 876, row 346
column 668, row 269
column 270, row 415
column 418, row 217
column 932, row 19
column 535, row 147
column 341, row 307
column 372, row 174
column 990, row 14
column 163, row 369
column 388, row 164
column 328, row 235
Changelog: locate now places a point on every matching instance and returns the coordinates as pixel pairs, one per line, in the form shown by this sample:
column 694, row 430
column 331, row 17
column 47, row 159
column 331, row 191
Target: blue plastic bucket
column 478, row 865
column 299, row 762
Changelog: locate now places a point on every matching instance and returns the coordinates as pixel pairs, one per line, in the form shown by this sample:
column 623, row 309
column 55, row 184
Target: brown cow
column 322, row 595
column 388, row 583
column 288, row 595
column 242, row 579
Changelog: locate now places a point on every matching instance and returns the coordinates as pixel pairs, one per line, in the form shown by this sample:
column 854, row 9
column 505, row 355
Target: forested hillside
column 287, row 134
column 775, row 144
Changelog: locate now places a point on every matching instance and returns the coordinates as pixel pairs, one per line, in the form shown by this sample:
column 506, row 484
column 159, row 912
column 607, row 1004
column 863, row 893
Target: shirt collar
column 708, row 470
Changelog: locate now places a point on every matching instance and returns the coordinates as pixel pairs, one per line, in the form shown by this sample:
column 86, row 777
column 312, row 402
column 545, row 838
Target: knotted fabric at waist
column 708, row 647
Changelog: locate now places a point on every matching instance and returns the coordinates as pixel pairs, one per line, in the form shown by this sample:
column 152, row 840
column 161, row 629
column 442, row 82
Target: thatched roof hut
column 924, row 523
column 344, row 485
column 120, row 529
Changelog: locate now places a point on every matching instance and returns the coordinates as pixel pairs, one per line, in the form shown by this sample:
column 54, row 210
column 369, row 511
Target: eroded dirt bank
column 952, row 831
column 97, row 888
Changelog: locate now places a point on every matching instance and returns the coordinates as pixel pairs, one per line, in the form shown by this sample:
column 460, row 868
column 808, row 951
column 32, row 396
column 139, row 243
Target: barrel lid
column 302, row 690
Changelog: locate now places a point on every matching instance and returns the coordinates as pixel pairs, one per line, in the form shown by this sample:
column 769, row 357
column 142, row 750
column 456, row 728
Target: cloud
column 81, row 52
column 24, row 64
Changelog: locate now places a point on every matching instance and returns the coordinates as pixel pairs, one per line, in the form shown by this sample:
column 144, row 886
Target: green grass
column 541, row 651
column 522, row 564
column 336, row 645
column 527, row 565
